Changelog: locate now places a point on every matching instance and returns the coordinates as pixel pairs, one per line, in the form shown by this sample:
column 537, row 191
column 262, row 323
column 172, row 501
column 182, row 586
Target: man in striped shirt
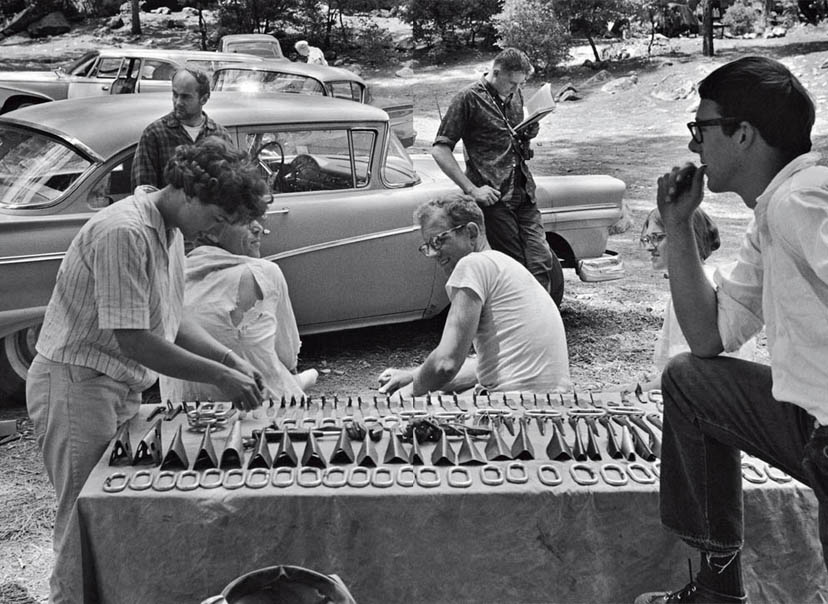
column 114, row 321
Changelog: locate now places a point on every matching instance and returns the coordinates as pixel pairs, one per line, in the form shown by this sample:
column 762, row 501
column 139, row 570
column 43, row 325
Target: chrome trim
column 32, row 258
column 580, row 208
column 317, row 247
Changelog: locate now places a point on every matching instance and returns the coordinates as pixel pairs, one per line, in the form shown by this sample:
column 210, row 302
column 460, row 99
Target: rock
column 620, row 84
column 405, row 72
column 161, row 10
column 190, row 11
column 673, row 87
column 776, row 32
column 52, row 24
column 115, row 22
column 601, row 76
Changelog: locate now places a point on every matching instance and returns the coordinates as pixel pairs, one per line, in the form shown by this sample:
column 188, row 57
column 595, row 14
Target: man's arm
column 485, row 195
column 679, row 193
column 144, row 170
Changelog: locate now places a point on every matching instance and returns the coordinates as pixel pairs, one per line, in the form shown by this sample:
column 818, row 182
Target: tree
column 136, row 18
column 707, row 28
column 590, row 17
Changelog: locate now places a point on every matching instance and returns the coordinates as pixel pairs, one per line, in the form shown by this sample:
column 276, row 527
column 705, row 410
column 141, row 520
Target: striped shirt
column 123, row 270
column 157, row 145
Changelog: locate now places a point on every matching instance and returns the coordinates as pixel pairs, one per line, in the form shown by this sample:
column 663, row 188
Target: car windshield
column 246, row 80
column 34, row 169
column 260, row 49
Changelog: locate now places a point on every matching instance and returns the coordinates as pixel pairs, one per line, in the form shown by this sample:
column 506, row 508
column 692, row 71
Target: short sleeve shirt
column 476, row 116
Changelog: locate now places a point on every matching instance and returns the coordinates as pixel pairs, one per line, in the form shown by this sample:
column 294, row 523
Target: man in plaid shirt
column 184, row 125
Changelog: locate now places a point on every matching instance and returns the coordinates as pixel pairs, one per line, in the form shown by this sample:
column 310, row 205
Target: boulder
column 115, row 22
column 52, row 24
column 673, row 87
column 601, row 76
column 161, row 10
column 190, row 11
column 620, row 84
column 405, row 72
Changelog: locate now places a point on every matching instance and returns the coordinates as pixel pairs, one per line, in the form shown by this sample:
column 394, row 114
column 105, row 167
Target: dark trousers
column 515, row 228
column 713, row 408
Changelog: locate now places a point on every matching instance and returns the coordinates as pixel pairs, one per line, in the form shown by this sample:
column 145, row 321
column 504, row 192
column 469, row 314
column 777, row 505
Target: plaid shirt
column 475, row 115
column 158, row 143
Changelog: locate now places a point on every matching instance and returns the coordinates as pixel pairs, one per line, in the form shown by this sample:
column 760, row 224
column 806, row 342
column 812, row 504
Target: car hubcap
column 20, row 349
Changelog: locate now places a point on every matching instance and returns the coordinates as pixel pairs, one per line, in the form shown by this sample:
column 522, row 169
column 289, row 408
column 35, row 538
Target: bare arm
column 444, row 157
column 446, row 362
column 679, row 193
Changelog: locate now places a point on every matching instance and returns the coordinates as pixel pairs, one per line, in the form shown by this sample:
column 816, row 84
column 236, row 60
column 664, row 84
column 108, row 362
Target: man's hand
column 244, row 390
column 680, row 192
column 531, row 131
column 485, row 195
column 392, row 380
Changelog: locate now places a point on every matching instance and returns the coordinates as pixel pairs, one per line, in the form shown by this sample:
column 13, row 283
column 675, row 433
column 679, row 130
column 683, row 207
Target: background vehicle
column 107, row 71
column 261, row 45
column 302, row 78
column 344, row 193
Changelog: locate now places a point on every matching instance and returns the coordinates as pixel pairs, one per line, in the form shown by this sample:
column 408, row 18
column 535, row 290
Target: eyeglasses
column 435, row 244
column 652, row 239
column 695, row 128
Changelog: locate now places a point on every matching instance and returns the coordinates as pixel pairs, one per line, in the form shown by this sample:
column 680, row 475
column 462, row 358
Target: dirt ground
column 611, row 327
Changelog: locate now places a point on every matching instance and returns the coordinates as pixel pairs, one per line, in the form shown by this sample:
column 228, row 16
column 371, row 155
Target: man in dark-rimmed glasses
column 752, row 133
column 496, row 304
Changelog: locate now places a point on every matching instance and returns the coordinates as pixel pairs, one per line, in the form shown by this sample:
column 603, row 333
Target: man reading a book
column 484, row 116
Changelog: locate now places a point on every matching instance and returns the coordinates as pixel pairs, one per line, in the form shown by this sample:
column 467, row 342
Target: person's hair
column 301, row 45
column 511, row 60
column 457, row 209
column 201, row 78
column 704, row 229
column 219, row 174
column 766, row 94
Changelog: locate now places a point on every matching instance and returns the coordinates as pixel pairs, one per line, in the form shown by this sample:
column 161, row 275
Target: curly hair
column 704, row 229
column 766, row 94
column 218, row 174
column 459, row 210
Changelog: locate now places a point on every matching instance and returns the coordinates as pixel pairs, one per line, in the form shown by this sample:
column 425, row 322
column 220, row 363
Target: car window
column 345, row 90
column 311, row 160
column 83, row 65
column 114, row 185
column 260, row 49
column 363, row 147
column 249, row 80
column 398, row 169
column 106, row 68
column 156, row 69
column 35, row 170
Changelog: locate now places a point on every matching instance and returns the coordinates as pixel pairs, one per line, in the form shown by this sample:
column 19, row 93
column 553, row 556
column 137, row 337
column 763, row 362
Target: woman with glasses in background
column 496, row 305
column 671, row 340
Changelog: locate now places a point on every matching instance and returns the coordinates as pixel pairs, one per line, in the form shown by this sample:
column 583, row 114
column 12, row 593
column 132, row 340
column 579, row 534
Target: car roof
column 132, row 112
column 245, row 37
column 324, row 73
column 175, row 55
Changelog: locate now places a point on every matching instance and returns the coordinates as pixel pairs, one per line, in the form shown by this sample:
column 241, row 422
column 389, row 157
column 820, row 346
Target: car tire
column 556, row 282
column 17, row 351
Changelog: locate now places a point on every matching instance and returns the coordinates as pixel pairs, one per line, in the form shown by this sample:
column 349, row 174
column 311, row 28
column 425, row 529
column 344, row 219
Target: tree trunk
column 707, row 29
column 768, row 11
column 594, row 48
column 136, row 18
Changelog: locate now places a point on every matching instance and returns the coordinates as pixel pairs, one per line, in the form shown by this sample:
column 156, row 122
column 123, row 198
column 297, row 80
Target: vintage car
column 107, row 71
column 302, row 78
column 341, row 218
column 261, row 45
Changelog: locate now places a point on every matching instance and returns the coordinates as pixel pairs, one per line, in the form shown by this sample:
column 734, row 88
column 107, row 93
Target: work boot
column 690, row 593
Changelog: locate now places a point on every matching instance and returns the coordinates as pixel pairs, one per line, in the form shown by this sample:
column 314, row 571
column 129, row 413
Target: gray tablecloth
column 505, row 543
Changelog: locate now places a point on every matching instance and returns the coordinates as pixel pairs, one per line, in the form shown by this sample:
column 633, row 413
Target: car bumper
column 606, row 268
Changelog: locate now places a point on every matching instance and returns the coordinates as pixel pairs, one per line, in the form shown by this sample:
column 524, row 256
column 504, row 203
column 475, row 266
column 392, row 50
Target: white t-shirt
column 520, row 340
column 671, row 340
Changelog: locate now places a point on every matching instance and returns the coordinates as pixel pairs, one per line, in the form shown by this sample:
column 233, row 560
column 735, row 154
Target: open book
column 538, row 106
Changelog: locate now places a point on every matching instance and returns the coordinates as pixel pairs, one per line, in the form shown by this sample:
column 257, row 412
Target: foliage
column 533, row 27
column 450, row 21
column 249, row 16
column 374, row 44
column 743, row 18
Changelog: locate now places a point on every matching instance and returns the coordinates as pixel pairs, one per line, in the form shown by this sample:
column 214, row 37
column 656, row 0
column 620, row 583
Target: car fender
column 10, row 96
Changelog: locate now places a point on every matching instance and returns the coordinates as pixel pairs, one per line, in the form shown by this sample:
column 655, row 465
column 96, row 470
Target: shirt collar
column 173, row 122
column 802, row 162
column 493, row 91
column 151, row 215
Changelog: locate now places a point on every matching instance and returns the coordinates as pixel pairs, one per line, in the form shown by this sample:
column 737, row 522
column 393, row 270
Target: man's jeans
column 76, row 411
column 516, row 230
column 713, row 408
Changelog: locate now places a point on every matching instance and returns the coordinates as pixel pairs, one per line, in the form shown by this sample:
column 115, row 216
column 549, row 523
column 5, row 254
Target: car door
column 98, row 80
column 346, row 244
column 156, row 75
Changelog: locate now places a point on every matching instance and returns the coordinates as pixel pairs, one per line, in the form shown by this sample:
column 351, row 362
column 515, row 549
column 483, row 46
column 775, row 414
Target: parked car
column 107, row 71
column 261, row 45
column 302, row 78
column 341, row 219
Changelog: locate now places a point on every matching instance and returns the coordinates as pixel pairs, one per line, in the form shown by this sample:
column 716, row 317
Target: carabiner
column 412, row 413
column 277, row 479
column 406, row 476
column 329, row 473
column 657, row 467
column 543, row 475
column 640, row 473
column 314, row 481
column 382, row 477
column 516, row 473
column 309, row 423
column 544, row 413
column 359, row 477
column 257, row 478
column 205, row 481
column 181, row 482
column 462, row 479
column 592, row 475
column 625, row 410
column 115, row 482
column 391, row 422
column 587, row 412
column 655, row 396
column 777, row 475
column 137, row 484
column 422, row 477
column 328, row 422
column 164, row 481
column 233, row 479
column 622, row 479
column 753, row 473
column 492, row 481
